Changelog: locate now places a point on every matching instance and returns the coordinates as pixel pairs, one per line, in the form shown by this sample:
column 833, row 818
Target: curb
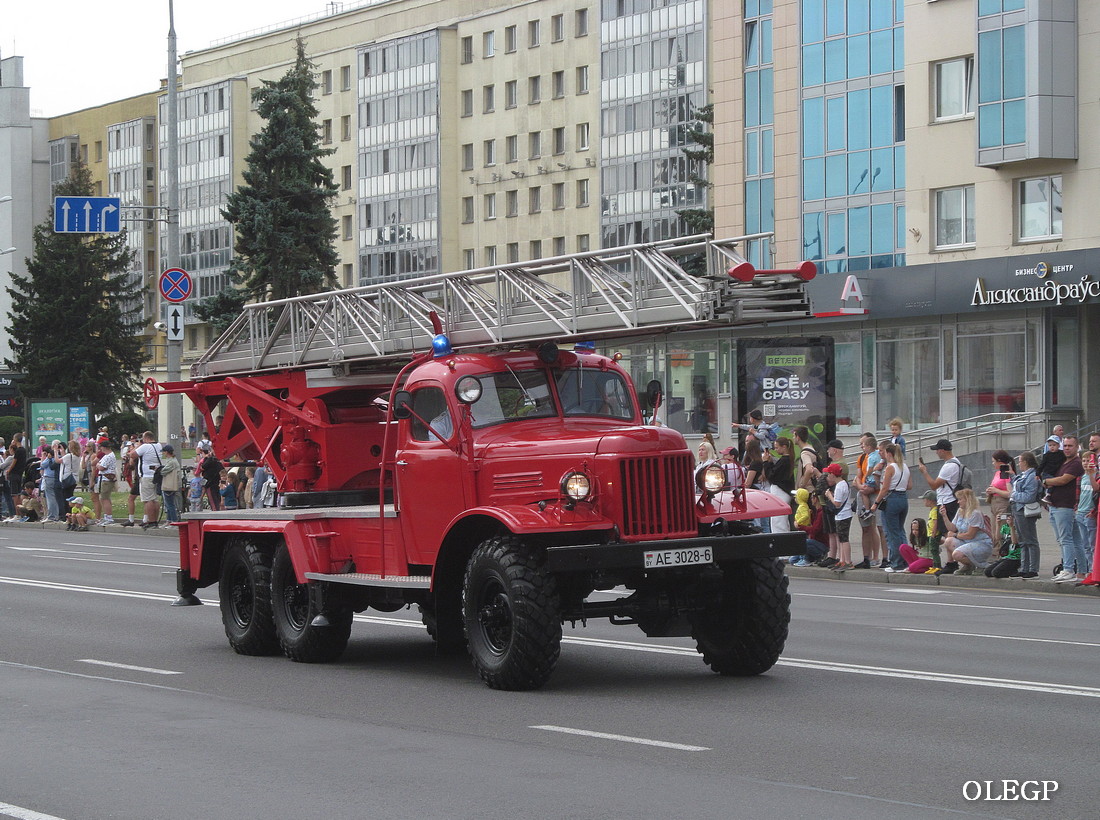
column 877, row 576
column 162, row 531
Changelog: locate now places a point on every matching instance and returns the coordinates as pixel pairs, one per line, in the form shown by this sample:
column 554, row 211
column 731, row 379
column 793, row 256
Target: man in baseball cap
column 944, row 484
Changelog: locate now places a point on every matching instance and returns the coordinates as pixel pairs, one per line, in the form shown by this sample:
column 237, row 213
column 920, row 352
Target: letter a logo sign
column 851, row 290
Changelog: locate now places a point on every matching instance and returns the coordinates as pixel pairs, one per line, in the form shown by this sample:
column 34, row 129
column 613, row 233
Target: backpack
column 770, row 431
column 966, row 478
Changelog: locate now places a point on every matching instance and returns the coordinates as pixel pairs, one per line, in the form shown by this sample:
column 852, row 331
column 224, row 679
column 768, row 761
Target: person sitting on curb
column 79, row 514
column 31, row 508
column 968, row 542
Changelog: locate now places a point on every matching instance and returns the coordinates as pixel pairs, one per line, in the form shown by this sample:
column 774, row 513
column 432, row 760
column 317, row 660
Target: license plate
column 657, row 559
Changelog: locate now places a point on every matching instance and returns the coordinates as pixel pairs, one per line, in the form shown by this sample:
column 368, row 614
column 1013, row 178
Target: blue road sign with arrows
column 86, row 214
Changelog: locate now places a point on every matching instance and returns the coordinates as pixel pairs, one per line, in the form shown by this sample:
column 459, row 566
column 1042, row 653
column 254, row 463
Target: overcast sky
column 81, row 53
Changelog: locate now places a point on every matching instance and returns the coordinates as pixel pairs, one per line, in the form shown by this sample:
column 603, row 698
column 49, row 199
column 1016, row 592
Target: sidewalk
column 164, row 530
column 1050, row 554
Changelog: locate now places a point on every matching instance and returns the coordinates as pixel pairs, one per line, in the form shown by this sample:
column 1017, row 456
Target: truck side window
column 588, row 392
column 430, row 404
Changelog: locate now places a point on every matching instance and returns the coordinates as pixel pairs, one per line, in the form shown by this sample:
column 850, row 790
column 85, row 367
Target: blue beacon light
column 441, row 346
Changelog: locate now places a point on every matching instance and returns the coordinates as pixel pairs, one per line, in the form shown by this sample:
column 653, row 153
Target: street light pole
column 174, row 401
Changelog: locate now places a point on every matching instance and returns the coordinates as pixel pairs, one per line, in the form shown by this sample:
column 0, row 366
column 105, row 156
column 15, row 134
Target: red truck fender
column 519, row 519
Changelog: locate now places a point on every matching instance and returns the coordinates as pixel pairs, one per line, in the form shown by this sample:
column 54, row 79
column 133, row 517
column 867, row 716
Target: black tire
column 512, row 615
column 743, row 630
column 244, row 589
column 447, row 632
column 294, row 610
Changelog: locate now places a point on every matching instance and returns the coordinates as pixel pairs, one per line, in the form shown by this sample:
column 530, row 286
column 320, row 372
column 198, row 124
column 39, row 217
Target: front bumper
column 581, row 557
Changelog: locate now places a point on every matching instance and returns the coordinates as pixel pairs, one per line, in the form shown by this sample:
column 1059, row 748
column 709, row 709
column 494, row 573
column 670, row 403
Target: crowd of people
column 44, row 484
column 829, row 497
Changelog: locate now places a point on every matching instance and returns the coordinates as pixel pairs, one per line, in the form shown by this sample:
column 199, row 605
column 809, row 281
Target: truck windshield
column 585, row 391
column 512, row 396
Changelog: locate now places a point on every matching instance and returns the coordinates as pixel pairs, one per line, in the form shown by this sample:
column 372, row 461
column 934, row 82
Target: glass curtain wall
column 990, row 368
column 908, row 383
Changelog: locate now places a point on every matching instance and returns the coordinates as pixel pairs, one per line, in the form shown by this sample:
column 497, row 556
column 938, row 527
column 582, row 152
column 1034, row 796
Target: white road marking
column 100, row 561
column 847, row 668
column 20, row 813
column 51, row 549
column 174, row 551
column 114, row 665
column 995, row 609
column 914, row 591
column 938, row 632
column 644, row 741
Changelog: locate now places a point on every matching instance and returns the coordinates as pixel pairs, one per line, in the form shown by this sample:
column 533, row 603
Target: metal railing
column 989, row 431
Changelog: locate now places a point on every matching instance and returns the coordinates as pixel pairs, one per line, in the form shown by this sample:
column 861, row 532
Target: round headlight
column 711, row 479
column 468, row 389
column 576, row 486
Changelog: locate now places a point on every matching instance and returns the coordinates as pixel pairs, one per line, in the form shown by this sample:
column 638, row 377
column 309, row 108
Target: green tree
column 700, row 220
column 74, row 318
column 285, row 232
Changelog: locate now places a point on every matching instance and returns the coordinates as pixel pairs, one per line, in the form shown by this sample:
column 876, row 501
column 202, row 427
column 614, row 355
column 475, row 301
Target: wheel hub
column 495, row 618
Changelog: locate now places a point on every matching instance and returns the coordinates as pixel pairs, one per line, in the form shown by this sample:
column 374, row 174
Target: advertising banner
column 790, row 380
column 49, row 418
column 80, row 418
column 11, row 401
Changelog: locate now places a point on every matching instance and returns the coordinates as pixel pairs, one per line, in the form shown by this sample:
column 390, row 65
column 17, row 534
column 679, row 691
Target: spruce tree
column 74, row 318
column 285, row 232
column 700, row 220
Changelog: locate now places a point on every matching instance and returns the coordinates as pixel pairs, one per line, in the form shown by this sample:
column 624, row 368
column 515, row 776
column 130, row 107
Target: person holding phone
column 996, row 495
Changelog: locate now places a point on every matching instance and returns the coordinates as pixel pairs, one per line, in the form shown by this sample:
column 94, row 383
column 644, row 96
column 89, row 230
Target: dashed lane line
column 129, row 667
column 644, row 741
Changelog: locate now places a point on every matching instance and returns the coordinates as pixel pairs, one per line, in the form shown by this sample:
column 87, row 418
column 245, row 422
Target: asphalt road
column 887, row 701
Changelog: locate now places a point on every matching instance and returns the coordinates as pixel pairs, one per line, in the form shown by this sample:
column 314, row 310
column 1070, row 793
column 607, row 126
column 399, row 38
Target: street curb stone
column 162, row 531
column 964, row 581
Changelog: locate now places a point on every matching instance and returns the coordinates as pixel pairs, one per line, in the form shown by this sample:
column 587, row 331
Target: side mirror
column 401, row 401
column 653, row 393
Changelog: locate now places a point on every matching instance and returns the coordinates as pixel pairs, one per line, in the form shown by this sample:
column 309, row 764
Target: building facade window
column 490, row 148
column 559, row 246
column 467, row 209
column 954, row 89
column 490, row 207
column 990, row 368
column 557, row 28
column 488, row 98
column 345, row 78
column 326, row 82
column 534, row 145
column 467, row 105
column 582, row 79
column 510, row 94
column 534, row 33
column 583, row 136
column 954, row 217
column 349, row 230
column 469, row 258
column 512, row 251
column 345, row 127
column 467, row 48
column 580, row 23
column 1040, row 208
column 511, row 148
column 511, row 202
column 468, row 156
column 345, row 174
column 509, row 39
column 488, row 44
column 584, row 242
column 558, row 139
column 534, row 90
column 1002, row 86
column 557, row 84
column 908, row 385
column 534, row 200
column 558, row 194
column 582, row 193
column 534, row 249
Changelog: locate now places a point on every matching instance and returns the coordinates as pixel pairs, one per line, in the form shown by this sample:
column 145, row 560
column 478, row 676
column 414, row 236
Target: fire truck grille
column 658, row 496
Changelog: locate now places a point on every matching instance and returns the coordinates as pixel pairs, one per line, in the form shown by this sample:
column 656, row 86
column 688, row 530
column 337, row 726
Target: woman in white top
column 893, row 503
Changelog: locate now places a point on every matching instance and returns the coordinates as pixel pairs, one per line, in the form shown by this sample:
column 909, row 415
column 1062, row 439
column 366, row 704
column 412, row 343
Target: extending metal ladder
column 630, row 290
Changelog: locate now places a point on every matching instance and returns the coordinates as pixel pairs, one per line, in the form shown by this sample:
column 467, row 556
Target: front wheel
column 244, row 590
column 743, row 629
column 512, row 615
column 294, row 610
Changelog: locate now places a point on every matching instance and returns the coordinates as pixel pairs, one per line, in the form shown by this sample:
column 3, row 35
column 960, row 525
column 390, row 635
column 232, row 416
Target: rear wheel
column 512, row 615
column 743, row 629
column 244, row 588
column 294, row 610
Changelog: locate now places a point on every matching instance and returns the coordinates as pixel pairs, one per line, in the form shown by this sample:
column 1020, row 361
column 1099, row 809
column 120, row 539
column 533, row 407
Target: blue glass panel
column 989, row 7
column 882, row 51
column 859, row 58
column 752, row 153
column 767, row 204
column 859, row 231
column 836, row 266
column 835, row 60
column 836, row 175
column 836, row 139
column 882, row 169
column 858, row 171
column 813, row 127
column 813, row 64
column 900, row 223
column 752, row 44
column 882, row 14
column 899, row 167
column 989, row 66
column 858, row 263
column 767, row 97
column 989, row 125
column 767, row 152
column 1013, row 5
column 811, row 236
column 766, row 41
column 882, row 229
column 1015, row 123
column 813, row 21
column 899, row 260
column 859, row 16
column 886, row 261
column 1015, row 63
column 752, row 8
column 765, row 6
column 899, row 49
column 836, row 236
column 813, row 179
column 752, row 98
column 834, row 17
column 882, row 116
column 859, row 119
column 752, row 206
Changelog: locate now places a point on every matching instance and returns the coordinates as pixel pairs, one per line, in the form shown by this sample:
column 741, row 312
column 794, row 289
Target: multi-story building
column 926, row 154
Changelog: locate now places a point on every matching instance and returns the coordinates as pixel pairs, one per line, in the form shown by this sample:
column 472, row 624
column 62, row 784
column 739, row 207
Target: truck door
column 433, row 481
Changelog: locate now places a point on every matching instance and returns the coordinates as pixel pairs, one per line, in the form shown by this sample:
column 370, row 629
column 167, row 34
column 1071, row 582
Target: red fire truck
column 496, row 487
